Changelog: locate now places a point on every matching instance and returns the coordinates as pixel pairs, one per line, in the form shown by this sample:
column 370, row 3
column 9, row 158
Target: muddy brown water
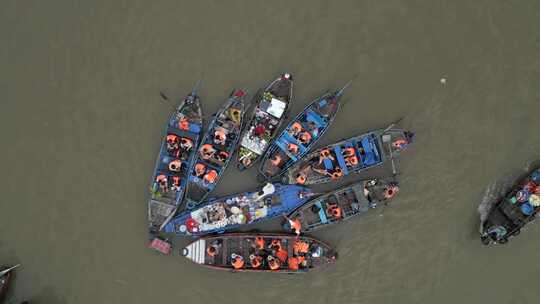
column 81, row 121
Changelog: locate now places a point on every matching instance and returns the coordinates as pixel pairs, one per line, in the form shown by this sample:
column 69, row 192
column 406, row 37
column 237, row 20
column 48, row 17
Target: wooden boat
column 6, row 275
column 287, row 253
column 268, row 115
column 520, row 206
column 216, row 149
column 238, row 210
column 343, row 204
column 300, row 135
column 175, row 161
column 353, row 155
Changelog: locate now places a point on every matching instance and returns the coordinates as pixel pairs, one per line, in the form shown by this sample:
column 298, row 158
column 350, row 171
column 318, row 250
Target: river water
column 81, row 122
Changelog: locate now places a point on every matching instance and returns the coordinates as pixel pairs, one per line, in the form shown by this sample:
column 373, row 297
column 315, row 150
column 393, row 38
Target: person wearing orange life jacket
column 348, row 152
column 293, row 148
column 337, row 174
column 301, row 178
column 220, row 137
column 282, row 255
column 304, row 137
column 186, row 143
column 200, row 169
column 273, row 263
column 255, row 261
column 175, row 165
column 259, row 242
column 275, row 244
column 296, row 224
column 175, row 183
column 351, row 161
column 162, row 182
column 237, row 261
column 183, row 124
column 325, row 154
column 300, row 247
column 400, row 143
column 210, row 177
column 172, row 143
column 221, row 156
column 334, row 210
column 296, row 128
column 212, row 250
column 207, row 151
column 293, row 263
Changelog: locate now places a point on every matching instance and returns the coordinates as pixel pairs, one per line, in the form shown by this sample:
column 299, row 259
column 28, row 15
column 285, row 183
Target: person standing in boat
column 295, row 224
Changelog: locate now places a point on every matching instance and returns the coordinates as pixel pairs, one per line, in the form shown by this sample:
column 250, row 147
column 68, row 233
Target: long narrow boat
column 301, row 134
column 268, row 115
column 233, row 211
column 353, row 155
column 6, row 275
column 520, row 206
column 245, row 252
column 343, row 204
column 216, row 149
column 175, row 161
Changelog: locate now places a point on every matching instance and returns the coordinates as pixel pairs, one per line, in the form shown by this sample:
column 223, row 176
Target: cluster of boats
column 191, row 162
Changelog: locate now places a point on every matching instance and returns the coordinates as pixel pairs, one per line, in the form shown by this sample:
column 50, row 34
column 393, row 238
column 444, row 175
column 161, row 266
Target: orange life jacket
column 305, row 137
column 276, row 244
column 273, row 263
column 351, row 161
column 282, row 255
column 348, row 152
column 171, row 138
column 296, row 225
column 300, row 247
column 256, row 261
column 301, row 178
column 211, row 251
column 325, row 153
column 211, row 176
column 293, row 263
column 238, row 262
column 296, row 127
column 337, row 174
column 259, row 242
column 293, row 148
column 199, row 169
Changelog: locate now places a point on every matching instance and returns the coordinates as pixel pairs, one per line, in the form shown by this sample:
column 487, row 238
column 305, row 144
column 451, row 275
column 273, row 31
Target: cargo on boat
column 174, row 161
column 238, row 210
column 258, row 252
column 300, row 135
column 216, row 149
column 353, row 155
column 342, row 204
column 269, row 113
column 507, row 216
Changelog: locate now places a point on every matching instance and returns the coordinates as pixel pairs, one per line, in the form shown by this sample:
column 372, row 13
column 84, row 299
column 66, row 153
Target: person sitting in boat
column 259, row 243
column 183, row 124
column 349, row 152
column 273, row 263
column 237, row 261
column 163, row 183
column 275, row 244
column 313, row 129
column 351, row 161
column 212, row 250
column 304, row 137
column 400, row 144
column 175, row 183
column 259, row 130
column 210, row 177
column 221, row 156
column 301, row 178
column 220, row 137
column 334, row 174
column 173, row 143
column 295, row 224
column 300, row 247
column 255, row 260
column 294, row 262
column 207, row 151
column 293, row 148
column 296, row 128
column 325, row 154
column 186, row 144
column 175, row 165
column 276, row 160
column 332, row 209
column 200, row 169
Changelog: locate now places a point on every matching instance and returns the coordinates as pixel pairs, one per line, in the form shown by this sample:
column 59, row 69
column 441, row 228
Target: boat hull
column 316, row 255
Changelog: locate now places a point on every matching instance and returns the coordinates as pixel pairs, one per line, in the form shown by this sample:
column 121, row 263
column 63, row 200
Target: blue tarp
column 341, row 160
column 315, row 118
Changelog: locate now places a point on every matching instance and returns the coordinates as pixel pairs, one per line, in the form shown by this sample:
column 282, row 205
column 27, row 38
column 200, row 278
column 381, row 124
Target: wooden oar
column 6, row 271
